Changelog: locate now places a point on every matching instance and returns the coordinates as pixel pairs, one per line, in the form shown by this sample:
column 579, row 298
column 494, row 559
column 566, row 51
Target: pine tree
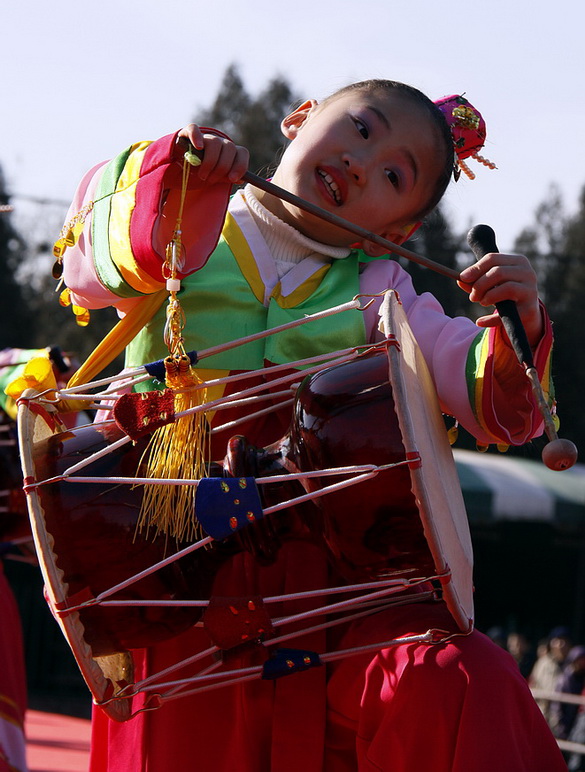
column 251, row 122
column 555, row 244
column 435, row 239
column 16, row 323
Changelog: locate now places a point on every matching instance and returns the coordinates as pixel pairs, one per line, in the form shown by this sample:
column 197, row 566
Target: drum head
column 435, row 482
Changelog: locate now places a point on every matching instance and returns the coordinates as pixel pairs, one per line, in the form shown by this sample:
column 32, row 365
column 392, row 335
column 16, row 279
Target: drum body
column 93, row 527
column 342, row 416
column 350, row 421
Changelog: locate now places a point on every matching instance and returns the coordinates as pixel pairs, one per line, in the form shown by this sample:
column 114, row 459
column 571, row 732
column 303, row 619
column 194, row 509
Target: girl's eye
column 393, row 177
column 362, row 128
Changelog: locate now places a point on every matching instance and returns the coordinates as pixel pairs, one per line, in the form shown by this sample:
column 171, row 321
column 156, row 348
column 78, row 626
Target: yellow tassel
column 178, row 450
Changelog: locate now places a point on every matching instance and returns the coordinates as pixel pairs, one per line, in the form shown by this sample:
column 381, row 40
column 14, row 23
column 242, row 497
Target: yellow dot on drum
column 243, row 482
column 251, row 516
column 290, row 663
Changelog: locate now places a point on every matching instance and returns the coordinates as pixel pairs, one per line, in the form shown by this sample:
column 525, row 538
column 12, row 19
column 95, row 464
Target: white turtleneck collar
column 286, row 244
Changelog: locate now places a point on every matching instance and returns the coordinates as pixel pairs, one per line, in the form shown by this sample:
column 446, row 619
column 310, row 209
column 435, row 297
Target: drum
column 93, row 527
column 348, row 419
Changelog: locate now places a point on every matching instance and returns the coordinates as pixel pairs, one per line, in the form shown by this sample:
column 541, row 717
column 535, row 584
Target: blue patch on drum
column 224, row 505
column 157, row 369
column 287, row 661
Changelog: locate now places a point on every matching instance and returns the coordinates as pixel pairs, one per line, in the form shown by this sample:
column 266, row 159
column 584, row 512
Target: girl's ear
column 397, row 237
column 293, row 122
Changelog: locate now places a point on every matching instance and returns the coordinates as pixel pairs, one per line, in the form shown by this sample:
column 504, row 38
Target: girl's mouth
column 331, row 185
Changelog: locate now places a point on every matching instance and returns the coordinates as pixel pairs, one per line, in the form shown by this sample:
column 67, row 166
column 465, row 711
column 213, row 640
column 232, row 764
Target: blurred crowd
column 555, row 665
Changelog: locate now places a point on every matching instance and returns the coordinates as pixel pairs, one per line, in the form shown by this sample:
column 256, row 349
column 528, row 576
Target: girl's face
column 371, row 158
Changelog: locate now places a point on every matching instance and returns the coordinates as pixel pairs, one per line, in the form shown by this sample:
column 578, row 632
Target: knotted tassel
column 177, row 450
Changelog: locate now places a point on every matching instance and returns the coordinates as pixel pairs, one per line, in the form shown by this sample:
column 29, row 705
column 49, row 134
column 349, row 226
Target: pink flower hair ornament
column 468, row 130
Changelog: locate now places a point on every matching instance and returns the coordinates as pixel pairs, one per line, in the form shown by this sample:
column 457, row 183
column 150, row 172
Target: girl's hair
column 435, row 115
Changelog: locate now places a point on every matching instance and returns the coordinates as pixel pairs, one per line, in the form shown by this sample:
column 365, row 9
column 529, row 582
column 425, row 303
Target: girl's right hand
column 222, row 159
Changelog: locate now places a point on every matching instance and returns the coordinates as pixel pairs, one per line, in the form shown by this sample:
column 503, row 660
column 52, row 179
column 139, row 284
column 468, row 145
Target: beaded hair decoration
column 468, row 130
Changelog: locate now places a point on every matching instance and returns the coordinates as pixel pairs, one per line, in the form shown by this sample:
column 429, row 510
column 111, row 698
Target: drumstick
column 357, row 230
column 557, row 454
column 334, row 219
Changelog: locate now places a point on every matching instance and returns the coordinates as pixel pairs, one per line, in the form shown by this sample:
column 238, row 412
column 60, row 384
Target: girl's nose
column 355, row 166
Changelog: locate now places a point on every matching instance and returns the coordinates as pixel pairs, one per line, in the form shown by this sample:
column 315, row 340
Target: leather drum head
column 435, row 482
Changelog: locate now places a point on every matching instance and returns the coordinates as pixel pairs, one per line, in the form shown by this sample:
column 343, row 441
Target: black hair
column 437, row 118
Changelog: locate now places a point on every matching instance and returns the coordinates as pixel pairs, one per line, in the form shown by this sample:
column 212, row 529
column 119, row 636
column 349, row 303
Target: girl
column 380, row 154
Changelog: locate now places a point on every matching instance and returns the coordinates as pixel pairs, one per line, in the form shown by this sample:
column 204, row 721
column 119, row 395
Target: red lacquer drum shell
column 345, row 415
column 96, row 546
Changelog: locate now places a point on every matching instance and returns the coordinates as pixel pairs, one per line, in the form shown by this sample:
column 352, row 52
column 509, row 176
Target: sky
column 80, row 81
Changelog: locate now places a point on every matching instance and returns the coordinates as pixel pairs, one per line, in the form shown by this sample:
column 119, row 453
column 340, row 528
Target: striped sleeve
column 499, row 392
column 131, row 206
column 476, row 374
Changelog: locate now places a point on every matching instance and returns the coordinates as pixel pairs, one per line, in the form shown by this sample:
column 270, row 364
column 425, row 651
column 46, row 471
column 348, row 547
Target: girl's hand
column 498, row 277
column 222, row 158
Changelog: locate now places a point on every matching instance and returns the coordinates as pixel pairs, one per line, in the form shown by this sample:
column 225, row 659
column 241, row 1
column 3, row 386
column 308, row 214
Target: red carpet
column 57, row 743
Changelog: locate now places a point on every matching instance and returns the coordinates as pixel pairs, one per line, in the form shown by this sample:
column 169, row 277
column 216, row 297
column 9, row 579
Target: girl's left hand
column 498, row 277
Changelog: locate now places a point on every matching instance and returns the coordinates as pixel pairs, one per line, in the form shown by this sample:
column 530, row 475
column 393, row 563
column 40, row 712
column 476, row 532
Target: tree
column 16, row 323
column 49, row 323
column 556, row 246
column 55, row 325
column 575, row 248
column 435, row 239
column 544, row 244
column 251, row 122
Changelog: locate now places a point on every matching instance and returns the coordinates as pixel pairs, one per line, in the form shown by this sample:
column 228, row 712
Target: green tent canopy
column 500, row 487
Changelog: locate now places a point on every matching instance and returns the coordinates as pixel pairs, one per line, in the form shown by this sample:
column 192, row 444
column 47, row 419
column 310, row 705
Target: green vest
column 224, row 301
